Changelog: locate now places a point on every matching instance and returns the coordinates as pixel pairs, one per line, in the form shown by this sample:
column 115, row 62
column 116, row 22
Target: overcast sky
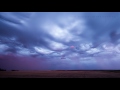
column 59, row 40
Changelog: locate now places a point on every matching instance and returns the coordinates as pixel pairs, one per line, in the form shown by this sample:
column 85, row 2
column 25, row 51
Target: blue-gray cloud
column 80, row 39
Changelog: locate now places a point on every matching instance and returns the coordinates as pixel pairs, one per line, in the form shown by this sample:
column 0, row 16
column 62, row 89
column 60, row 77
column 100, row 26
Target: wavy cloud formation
column 59, row 40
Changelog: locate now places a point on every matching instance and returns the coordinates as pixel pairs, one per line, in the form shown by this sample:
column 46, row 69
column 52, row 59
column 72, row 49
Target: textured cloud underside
column 79, row 39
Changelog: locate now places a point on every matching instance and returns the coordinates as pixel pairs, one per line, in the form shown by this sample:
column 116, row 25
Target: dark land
column 61, row 74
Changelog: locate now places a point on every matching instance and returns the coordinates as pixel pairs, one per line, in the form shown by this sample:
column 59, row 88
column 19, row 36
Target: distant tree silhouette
column 14, row 70
column 2, row 69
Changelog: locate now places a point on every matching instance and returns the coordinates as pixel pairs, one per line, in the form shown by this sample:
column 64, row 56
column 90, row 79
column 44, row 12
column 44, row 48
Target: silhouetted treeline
column 14, row 70
column 2, row 69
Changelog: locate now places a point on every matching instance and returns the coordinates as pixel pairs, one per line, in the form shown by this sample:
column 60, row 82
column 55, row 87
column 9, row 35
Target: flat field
column 61, row 74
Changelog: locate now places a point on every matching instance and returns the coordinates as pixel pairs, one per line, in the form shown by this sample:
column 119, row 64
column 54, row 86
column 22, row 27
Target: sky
column 60, row 40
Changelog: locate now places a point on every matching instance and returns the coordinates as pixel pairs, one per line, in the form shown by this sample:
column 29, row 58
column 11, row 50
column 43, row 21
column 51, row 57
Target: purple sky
column 59, row 40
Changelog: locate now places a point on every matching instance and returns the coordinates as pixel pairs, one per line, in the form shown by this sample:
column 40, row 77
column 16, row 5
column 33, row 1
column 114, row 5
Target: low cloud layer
column 59, row 40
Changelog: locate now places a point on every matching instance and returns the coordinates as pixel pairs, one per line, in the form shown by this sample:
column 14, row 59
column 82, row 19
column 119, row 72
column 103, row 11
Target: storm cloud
column 59, row 40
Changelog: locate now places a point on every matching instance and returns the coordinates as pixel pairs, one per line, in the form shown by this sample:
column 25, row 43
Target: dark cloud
column 65, row 40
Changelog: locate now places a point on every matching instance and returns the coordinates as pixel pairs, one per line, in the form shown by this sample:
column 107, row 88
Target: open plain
column 61, row 74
